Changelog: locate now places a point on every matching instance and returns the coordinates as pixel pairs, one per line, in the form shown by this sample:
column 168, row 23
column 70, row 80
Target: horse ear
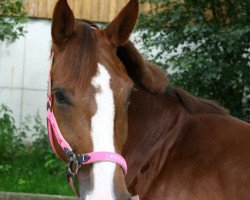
column 119, row 30
column 63, row 23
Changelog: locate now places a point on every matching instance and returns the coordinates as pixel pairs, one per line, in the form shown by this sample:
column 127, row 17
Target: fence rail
column 24, row 196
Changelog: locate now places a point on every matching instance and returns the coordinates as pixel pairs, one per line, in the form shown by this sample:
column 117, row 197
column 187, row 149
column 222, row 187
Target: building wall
column 24, row 70
column 94, row 10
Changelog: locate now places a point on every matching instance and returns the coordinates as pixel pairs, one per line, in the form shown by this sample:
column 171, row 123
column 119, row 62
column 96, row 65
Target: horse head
column 90, row 89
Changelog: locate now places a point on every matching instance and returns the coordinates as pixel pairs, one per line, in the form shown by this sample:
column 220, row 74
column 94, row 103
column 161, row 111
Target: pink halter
column 73, row 159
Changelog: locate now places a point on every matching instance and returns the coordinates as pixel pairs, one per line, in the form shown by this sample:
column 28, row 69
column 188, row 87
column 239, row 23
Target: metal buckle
column 71, row 169
column 73, row 164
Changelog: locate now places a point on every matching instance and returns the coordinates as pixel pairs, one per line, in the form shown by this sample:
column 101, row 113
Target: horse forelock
column 76, row 60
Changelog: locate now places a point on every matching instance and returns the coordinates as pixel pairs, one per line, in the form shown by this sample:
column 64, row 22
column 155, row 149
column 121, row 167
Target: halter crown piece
column 76, row 161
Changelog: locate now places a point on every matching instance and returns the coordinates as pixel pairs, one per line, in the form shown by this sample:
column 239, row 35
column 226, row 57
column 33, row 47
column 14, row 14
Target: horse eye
column 60, row 97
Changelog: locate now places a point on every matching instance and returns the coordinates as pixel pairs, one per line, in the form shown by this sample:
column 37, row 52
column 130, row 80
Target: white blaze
column 102, row 133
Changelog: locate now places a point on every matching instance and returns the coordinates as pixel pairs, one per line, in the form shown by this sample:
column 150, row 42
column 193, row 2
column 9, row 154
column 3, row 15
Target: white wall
column 24, row 70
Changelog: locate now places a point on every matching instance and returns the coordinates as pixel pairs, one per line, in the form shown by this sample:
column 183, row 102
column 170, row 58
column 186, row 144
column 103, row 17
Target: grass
column 28, row 174
column 29, row 168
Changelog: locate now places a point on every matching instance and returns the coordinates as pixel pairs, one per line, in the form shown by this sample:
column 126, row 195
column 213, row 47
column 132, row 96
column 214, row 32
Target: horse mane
column 195, row 105
column 153, row 79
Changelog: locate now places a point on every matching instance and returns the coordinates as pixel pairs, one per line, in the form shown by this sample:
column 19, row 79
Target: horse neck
column 152, row 123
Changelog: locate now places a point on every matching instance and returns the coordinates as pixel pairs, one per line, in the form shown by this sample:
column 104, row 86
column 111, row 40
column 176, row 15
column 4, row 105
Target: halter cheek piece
column 76, row 161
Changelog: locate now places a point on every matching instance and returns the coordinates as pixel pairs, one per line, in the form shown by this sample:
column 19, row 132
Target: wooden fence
column 94, row 10
column 23, row 196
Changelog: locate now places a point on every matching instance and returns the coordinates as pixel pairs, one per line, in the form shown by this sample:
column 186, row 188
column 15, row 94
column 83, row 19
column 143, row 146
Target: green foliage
column 30, row 166
column 40, row 146
column 213, row 38
column 43, row 149
column 12, row 19
column 9, row 141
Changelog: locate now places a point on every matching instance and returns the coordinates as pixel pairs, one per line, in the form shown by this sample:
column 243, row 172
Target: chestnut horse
column 106, row 97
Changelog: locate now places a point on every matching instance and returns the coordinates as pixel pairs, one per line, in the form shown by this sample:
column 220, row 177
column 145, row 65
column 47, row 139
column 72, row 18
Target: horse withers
column 107, row 104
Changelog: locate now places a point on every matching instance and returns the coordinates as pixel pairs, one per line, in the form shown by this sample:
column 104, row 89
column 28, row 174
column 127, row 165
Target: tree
column 213, row 37
column 12, row 19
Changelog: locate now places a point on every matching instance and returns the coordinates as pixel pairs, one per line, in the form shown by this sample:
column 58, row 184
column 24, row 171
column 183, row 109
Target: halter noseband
column 75, row 161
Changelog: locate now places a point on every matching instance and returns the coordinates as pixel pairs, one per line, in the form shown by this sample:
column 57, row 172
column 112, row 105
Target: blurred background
column 204, row 45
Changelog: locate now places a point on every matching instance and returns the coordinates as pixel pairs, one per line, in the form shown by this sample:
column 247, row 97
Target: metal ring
column 70, row 167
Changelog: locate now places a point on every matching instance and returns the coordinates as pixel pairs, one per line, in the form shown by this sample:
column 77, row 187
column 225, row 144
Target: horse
column 105, row 97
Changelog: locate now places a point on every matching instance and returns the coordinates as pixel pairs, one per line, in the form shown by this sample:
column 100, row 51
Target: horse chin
column 84, row 183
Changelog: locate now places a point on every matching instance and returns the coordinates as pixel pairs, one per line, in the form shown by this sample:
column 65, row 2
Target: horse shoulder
column 210, row 160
